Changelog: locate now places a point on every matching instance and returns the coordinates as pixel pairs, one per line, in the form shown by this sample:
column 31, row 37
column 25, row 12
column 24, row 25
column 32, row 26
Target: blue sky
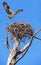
column 32, row 15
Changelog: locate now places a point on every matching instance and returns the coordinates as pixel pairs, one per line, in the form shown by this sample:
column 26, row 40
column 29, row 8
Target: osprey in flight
column 9, row 11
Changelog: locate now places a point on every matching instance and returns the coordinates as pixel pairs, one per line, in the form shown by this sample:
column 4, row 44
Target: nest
column 19, row 30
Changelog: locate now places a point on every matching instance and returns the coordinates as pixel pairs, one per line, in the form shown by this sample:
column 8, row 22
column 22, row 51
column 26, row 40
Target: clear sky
column 32, row 15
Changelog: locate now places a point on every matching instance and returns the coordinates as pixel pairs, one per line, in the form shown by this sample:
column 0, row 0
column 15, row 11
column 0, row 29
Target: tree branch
column 13, row 55
column 24, row 50
column 7, row 44
column 28, row 45
column 37, row 31
column 37, row 38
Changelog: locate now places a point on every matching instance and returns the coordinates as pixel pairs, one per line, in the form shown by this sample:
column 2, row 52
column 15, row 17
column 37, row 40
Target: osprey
column 9, row 11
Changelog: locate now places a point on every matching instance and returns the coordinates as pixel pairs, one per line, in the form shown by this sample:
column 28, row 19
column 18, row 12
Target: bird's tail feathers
column 11, row 16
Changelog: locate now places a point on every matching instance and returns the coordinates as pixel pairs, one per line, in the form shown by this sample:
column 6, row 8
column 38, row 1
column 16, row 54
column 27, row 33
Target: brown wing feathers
column 7, row 8
column 9, row 11
column 18, row 11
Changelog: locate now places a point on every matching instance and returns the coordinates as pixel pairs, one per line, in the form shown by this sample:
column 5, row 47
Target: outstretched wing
column 14, row 13
column 7, row 8
column 18, row 11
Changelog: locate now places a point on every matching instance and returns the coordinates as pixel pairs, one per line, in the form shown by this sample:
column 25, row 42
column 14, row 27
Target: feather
column 18, row 11
column 7, row 8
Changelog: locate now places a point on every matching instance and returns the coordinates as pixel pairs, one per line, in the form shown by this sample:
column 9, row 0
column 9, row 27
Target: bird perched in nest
column 20, row 30
column 9, row 11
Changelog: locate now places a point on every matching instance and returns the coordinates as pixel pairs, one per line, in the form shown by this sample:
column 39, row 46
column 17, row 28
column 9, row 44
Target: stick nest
column 19, row 30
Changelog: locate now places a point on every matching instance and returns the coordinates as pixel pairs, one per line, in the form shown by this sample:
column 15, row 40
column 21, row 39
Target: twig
column 37, row 31
column 7, row 44
column 37, row 38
